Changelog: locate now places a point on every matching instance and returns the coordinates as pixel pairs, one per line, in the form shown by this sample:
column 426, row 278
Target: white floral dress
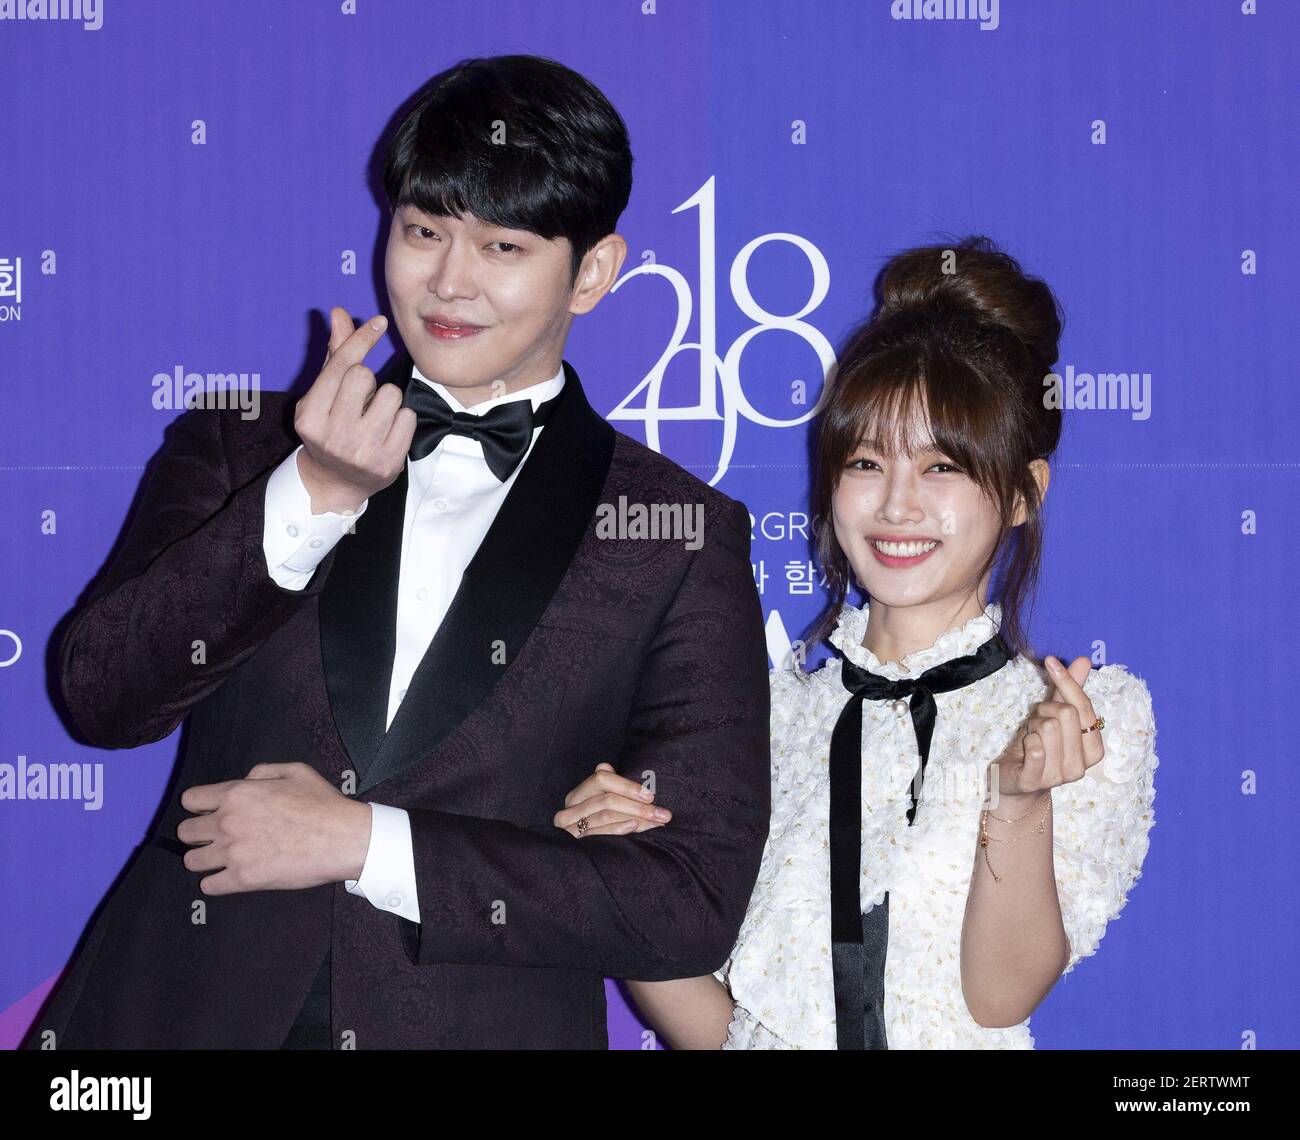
column 779, row 971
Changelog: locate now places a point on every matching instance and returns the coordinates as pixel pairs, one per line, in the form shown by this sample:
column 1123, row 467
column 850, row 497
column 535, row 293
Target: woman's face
column 916, row 530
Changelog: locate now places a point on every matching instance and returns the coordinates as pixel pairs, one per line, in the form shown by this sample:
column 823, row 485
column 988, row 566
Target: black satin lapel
column 358, row 611
column 508, row 583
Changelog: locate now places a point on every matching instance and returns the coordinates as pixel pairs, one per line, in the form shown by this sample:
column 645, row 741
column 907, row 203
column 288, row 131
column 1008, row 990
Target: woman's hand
column 610, row 804
column 1051, row 748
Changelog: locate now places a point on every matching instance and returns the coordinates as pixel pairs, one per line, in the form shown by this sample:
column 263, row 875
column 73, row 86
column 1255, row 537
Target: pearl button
column 293, row 531
column 901, row 706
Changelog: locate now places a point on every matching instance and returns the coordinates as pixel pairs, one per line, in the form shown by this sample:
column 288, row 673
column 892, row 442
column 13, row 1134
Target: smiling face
column 915, row 529
column 482, row 309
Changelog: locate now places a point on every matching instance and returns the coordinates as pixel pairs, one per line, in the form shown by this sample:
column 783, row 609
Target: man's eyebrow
column 472, row 220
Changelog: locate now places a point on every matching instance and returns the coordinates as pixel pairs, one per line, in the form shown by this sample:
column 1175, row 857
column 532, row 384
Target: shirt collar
column 852, row 627
column 535, row 392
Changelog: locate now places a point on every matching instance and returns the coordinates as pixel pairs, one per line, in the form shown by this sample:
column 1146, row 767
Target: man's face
column 482, row 309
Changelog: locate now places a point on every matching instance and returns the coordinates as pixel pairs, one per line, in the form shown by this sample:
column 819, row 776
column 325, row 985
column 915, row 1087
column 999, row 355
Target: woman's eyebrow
column 927, row 448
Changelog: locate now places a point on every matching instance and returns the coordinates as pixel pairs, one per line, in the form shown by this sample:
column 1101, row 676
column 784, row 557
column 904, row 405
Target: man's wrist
column 360, row 846
column 325, row 494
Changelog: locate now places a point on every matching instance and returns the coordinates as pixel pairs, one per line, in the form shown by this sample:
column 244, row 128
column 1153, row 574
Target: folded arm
column 665, row 903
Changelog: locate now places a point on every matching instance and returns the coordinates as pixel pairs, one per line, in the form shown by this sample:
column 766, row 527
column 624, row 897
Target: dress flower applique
column 779, row 971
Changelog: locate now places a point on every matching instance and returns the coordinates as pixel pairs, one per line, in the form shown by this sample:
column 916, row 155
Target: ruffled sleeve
column 1101, row 822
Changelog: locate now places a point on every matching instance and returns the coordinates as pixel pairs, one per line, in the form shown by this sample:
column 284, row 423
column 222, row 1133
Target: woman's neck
column 894, row 632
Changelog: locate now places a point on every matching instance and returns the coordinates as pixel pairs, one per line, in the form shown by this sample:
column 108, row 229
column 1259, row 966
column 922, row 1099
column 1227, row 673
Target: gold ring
column 582, row 825
column 1096, row 726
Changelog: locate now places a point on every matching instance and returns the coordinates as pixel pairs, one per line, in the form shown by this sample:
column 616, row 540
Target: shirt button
column 393, row 901
column 316, row 542
column 293, row 531
column 402, row 695
column 440, row 505
column 901, row 706
column 421, row 594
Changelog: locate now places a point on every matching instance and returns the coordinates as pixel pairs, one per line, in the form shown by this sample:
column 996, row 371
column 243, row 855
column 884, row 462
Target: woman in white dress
column 995, row 805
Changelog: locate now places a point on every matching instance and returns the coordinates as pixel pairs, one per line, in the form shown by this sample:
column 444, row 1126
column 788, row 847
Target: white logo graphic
column 726, row 369
column 18, row 648
column 11, row 288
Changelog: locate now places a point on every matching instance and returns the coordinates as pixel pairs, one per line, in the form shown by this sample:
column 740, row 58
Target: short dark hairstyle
column 519, row 141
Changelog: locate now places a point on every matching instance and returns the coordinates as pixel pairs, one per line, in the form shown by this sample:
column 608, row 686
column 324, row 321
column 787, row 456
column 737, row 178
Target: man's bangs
column 495, row 194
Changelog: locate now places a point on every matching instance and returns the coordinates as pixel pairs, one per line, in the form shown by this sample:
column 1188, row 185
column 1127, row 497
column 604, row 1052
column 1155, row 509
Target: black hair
column 519, row 141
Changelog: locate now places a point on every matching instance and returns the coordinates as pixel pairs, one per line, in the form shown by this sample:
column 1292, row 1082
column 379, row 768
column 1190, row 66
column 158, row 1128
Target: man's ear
column 597, row 273
column 1042, row 476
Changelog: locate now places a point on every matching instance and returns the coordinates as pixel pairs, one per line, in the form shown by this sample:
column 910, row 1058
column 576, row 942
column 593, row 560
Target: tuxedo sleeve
column 660, row 904
column 185, row 601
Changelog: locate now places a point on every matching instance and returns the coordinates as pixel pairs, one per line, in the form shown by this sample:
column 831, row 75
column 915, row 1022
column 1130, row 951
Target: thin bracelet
column 1026, row 815
column 986, row 839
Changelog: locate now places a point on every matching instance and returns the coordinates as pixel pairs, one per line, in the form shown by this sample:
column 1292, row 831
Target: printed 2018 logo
column 723, row 372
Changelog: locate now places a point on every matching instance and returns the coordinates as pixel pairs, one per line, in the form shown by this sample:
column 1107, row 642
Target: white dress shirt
column 452, row 498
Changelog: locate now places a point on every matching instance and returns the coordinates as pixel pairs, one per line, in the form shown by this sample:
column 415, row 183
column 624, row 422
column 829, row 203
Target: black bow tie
column 504, row 431
column 859, row 941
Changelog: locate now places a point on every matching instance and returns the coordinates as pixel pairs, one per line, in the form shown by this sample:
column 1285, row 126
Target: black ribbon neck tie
column 859, row 941
column 505, row 431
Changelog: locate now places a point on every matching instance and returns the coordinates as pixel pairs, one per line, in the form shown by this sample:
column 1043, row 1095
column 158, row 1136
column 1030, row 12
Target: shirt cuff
column 294, row 540
column 388, row 874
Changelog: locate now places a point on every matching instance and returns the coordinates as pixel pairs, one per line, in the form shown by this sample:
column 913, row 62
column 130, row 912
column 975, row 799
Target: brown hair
column 961, row 330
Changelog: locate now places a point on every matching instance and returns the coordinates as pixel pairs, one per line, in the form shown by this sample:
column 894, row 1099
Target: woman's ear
column 1042, row 476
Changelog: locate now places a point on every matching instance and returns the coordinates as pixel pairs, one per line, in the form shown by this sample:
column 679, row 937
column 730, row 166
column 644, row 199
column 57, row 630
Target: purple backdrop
column 185, row 189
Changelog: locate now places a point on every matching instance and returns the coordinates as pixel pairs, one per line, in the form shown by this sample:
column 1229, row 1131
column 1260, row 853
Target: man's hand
column 355, row 432
column 283, row 828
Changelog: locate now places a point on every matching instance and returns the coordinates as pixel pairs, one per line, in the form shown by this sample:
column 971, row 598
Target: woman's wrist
column 1012, row 806
column 1013, row 823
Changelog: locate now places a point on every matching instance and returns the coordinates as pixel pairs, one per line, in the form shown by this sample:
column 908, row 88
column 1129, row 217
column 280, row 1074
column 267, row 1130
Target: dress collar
column 852, row 627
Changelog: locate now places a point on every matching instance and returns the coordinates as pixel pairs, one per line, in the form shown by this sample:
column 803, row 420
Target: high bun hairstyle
column 961, row 331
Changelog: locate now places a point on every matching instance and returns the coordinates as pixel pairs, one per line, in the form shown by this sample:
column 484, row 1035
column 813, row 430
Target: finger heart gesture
column 1060, row 740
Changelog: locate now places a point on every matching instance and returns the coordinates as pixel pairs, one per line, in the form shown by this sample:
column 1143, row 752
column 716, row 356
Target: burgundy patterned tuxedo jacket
column 640, row 652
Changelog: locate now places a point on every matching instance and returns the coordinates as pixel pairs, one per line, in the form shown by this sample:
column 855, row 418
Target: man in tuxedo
column 401, row 636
